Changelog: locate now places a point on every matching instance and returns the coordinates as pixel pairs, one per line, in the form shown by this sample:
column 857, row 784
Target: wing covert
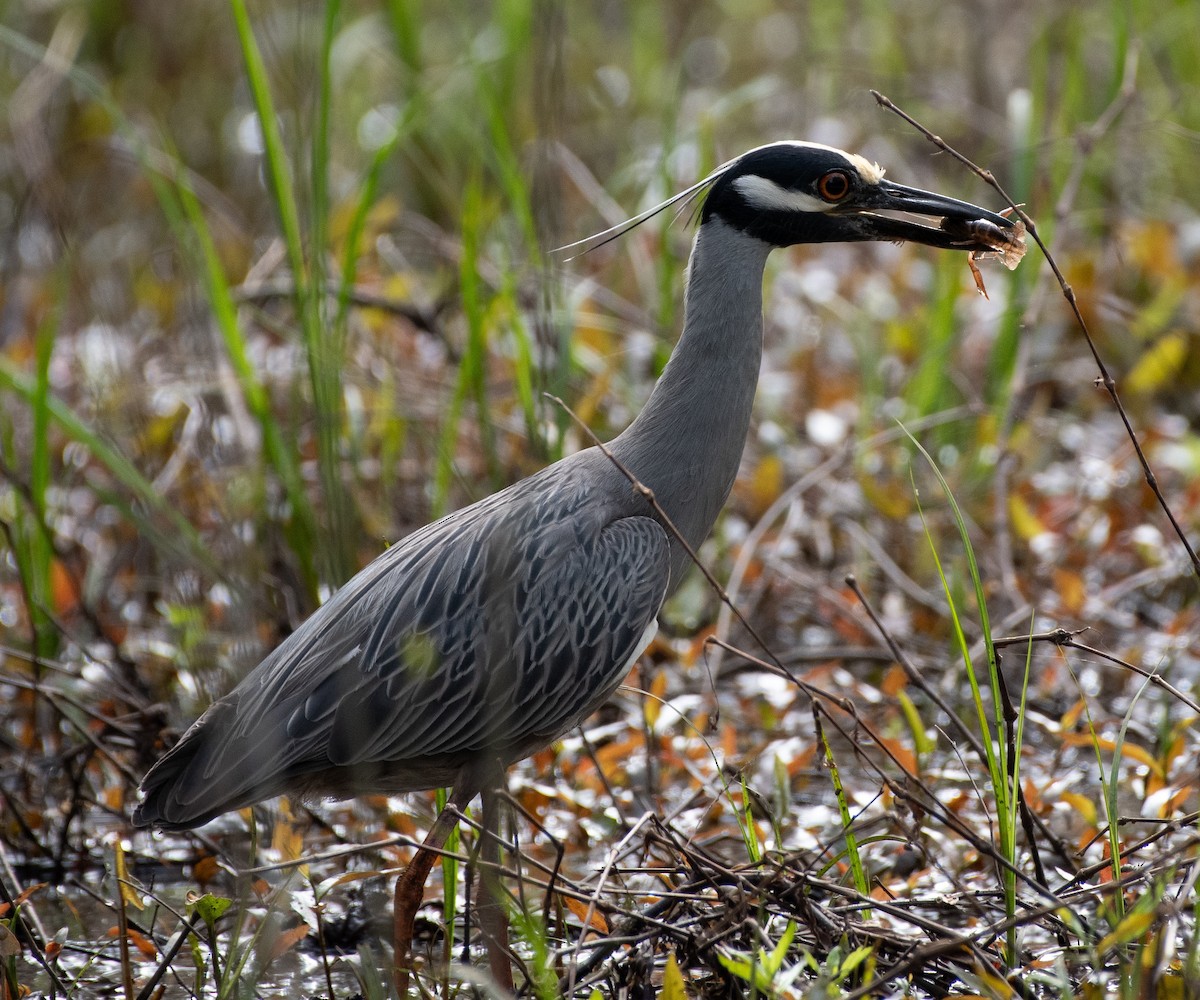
column 545, row 630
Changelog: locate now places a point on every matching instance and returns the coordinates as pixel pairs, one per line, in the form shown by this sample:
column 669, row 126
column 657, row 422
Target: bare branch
column 1105, row 378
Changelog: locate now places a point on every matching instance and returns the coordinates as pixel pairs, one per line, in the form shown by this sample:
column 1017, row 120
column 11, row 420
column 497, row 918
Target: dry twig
column 1105, row 378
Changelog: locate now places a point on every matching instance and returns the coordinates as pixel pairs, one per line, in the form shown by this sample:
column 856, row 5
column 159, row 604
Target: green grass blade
column 279, row 179
column 188, row 219
column 929, row 391
column 519, row 202
column 28, row 531
column 472, row 376
column 324, row 359
column 182, row 538
column 319, row 197
column 745, row 818
column 404, row 18
column 995, row 742
column 1019, row 739
column 852, row 853
column 358, row 220
column 449, row 877
column 990, row 738
column 37, row 539
column 177, row 198
column 530, row 928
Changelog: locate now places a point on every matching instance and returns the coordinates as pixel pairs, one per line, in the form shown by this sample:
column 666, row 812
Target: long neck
column 687, row 442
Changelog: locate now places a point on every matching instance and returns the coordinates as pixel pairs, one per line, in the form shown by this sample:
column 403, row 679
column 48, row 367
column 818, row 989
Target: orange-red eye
column 834, row 186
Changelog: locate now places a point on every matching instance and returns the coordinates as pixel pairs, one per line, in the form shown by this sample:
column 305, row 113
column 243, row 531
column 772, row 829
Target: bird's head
column 802, row 192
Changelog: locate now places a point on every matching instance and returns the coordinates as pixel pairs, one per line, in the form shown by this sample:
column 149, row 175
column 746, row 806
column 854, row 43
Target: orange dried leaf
column 803, row 761
column 288, row 940
column 652, row 705
column 958, row 802
column 143, row 944
column 1033, row 796
column 1106, row 874
column 894, row 681
column 1178, row 800
column 729, row 741
column 595, row 920
column 1177, row 745
column 347, row 877
column 28, row 891
column 1071, row 589
column 534, row 801
column 698, row 646
column 287, row 837
column 1155, row 783
column 1130, row 750
column 205, row 870
column 1070, row 718
column 1174, row 801
column 64, row 589
column 613, row 757
column 902, row 754
column 1082, row 804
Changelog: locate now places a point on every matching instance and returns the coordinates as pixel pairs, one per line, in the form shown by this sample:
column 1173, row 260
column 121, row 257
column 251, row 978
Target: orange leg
column 493, row 921
column 410, row 886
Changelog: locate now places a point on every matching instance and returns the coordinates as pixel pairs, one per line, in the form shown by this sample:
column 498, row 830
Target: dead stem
column 1105, row 378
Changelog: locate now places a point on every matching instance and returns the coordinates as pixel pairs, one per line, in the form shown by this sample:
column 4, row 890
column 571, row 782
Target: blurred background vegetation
column 237, row 359
column 162, row 256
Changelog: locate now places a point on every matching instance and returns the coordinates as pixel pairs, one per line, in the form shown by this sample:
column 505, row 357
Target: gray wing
column 538, row 633
column 492, row 631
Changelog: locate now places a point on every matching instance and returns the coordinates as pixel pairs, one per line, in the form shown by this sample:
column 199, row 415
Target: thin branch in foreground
column 910, row 668
column 669, row 525
column 1105, row 378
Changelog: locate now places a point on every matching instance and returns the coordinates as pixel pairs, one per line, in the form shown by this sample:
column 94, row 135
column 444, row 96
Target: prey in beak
column 961, row 225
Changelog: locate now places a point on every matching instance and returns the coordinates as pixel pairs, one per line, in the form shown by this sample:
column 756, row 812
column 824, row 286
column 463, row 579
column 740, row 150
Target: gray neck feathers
column 687, row 442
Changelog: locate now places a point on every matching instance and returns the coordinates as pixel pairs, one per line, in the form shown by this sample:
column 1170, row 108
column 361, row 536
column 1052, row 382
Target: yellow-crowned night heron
column 493, row 631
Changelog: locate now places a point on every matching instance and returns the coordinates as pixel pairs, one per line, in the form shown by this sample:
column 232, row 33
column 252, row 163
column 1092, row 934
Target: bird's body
column 488, row 634
column 494, row 630
column 485, row 649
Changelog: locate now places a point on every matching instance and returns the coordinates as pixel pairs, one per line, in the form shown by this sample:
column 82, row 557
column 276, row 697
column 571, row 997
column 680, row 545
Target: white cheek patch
column 766, row 195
